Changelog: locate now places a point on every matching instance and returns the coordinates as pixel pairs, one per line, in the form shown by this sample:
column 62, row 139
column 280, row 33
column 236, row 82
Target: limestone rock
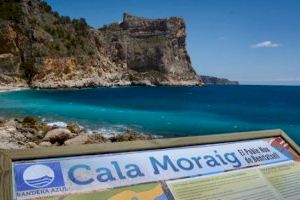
column 10, row 138
column 78, row 140
column 59, row 135
column 14, row 134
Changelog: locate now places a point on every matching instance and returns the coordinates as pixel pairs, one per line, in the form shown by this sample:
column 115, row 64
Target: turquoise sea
column 164, row 111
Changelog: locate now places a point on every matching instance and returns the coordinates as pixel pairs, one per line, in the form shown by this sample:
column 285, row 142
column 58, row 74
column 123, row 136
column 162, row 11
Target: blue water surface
column 164, row 111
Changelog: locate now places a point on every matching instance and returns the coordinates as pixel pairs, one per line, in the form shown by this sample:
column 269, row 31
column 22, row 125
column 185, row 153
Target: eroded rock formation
column 40, row 48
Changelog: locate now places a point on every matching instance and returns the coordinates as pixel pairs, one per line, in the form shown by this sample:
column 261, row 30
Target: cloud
column 266, row 44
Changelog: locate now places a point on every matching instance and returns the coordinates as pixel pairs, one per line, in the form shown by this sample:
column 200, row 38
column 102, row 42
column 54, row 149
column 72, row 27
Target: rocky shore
column 30, row 132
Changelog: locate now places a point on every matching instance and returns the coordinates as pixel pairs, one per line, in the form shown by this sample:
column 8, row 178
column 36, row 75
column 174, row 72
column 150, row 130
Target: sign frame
column 7, row 157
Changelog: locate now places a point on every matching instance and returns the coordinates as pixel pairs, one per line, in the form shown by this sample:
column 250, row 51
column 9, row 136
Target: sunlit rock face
column 40, row 48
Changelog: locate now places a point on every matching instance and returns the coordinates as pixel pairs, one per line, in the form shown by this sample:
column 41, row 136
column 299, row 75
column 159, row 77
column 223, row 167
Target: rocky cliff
column 39, row 48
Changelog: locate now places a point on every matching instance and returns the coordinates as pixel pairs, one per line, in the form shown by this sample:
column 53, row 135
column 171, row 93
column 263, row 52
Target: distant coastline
column 212, row 80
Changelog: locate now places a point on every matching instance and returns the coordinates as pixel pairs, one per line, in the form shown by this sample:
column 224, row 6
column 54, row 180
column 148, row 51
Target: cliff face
column 41, row 49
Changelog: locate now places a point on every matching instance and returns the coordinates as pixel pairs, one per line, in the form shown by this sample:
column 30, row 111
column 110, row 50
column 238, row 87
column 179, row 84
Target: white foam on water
column 58, row 124
column 106, row 131
column 13, row 90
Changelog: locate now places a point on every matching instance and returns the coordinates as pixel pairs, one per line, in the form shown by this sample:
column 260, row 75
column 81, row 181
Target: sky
column 252, row 41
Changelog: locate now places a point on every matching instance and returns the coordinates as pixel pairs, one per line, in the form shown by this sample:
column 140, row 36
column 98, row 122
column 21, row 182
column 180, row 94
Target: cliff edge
column 41, row 49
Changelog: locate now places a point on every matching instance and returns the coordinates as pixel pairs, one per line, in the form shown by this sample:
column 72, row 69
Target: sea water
column 163, row 111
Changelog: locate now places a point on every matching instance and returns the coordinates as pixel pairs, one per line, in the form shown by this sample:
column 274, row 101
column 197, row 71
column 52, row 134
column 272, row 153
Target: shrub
column 29, row 120
column 91, row 52
column 80, row 26
column 74, row 128
column 67, row 70
column 29, row 69
column 11, row 10
column 65, row 19
column 45, row 6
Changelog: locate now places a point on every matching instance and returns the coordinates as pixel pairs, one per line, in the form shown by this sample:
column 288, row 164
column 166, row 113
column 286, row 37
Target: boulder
column 59, row 135
column 78, row 140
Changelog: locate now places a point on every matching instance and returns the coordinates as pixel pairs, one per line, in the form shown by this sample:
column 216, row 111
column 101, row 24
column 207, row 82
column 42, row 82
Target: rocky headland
column 212, row 80
column 30, row 132
column 41, row 49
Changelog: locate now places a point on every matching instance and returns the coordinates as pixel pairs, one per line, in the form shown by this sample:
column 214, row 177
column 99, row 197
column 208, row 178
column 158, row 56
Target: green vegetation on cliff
column 11, row 10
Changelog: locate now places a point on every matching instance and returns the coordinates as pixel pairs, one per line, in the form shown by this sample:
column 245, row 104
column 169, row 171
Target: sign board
column 253, row 165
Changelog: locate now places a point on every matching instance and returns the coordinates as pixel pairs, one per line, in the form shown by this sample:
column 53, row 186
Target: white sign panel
column 51, row 177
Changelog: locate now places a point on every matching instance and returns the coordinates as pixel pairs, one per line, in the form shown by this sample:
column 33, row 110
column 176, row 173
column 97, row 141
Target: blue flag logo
column 38, row 176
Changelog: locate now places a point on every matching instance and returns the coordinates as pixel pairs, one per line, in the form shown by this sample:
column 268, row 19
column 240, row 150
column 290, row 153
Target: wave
column 40, row 179
column 40, row 182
